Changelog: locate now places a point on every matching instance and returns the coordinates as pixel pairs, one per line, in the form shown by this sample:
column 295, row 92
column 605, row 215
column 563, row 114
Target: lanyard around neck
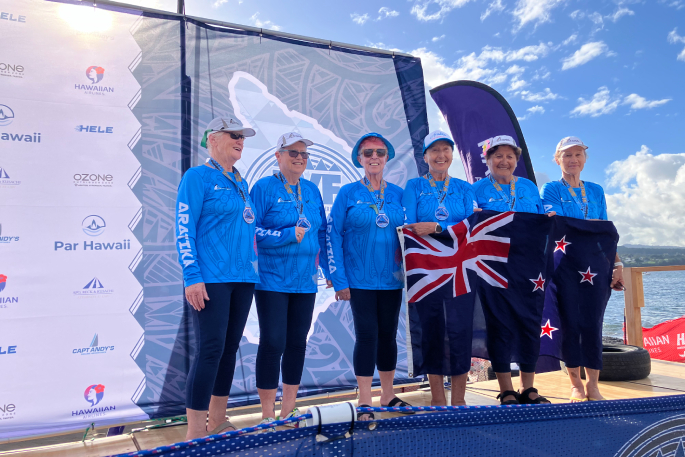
column 380, row 200
column 239, row 184
column 298, row 198
column 511, row 200
column 441, row 194
column 581, row 202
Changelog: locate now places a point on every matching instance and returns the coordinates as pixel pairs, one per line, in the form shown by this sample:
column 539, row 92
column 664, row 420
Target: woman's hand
column 617, row 279
column 552, row 213
column 196, row 295
column 475, row 210
column 329, row 284
column 343, row 294
column 422, row 228
column 299, row 234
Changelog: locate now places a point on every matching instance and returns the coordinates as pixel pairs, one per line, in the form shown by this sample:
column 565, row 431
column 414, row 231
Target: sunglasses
column 294, row 153
column 379, row 152
column 236, row 136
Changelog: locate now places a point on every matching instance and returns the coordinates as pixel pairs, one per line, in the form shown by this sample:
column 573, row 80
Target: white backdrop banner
column 99, row 118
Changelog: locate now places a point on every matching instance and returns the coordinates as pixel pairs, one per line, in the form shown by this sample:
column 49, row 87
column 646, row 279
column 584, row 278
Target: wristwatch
column 438, row 228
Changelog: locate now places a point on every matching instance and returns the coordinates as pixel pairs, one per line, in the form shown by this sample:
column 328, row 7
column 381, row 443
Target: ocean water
column 664, row 300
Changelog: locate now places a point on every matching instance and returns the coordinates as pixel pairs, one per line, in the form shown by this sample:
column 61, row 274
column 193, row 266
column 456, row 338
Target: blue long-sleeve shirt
column 420, row 202
column 213, row 241
column 556, row 197
column 362, row 255
column 284, row 264
column 527, row 196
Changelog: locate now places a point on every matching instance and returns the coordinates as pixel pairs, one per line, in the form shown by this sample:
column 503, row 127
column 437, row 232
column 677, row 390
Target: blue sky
column 608, row 71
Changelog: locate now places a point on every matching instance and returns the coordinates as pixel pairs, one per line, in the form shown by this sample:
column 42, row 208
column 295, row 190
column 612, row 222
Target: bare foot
column 194, row 434
column 577, row 395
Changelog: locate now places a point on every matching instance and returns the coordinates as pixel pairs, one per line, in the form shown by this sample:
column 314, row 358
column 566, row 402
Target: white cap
column 225, row 124
column 432, row 137
column 503, row 140
column 290, row 138
column 569, row 142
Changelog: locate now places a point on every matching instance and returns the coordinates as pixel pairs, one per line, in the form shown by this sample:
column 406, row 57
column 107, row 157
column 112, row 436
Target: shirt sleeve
column 267, row 238
column 188, row 210
column 551, row 200
column 323, row 257
column 334, row 242
column 409, row 203
column 603, row 208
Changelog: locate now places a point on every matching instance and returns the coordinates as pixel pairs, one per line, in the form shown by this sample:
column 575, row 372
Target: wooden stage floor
column 667, row 378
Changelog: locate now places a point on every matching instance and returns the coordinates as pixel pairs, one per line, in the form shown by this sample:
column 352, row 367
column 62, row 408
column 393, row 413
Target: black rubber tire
column 621, row 362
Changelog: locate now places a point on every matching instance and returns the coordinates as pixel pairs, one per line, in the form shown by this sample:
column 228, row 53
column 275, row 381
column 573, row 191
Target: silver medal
column 248, row 215
column 441, row 213
column 382, row 220
column 304, row 223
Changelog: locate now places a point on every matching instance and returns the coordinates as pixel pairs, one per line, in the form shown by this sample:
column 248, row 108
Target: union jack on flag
column 434, row 260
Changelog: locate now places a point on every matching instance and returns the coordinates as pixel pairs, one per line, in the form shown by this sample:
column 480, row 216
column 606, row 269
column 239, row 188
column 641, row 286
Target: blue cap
column 355, row 149
column 438, row 135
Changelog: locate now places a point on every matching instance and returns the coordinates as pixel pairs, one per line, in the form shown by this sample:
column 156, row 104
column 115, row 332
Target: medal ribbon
column 510, row 200
column 442, row 194
column 583, row 205
column 244, row 194
column 297, row 198
column 380, row 200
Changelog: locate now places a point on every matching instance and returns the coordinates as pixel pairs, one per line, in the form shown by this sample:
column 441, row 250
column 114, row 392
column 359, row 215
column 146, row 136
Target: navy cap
column 355, row 149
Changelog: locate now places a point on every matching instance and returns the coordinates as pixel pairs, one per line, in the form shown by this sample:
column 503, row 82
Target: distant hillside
column 651, row 256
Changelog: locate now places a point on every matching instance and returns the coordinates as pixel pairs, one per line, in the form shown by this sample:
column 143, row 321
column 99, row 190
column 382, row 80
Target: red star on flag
column 587, row 276
column 547, row 330
column 539, row 283
column 561, row 245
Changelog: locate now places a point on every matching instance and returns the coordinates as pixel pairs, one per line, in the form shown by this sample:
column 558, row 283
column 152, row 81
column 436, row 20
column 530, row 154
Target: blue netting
column 621, row 428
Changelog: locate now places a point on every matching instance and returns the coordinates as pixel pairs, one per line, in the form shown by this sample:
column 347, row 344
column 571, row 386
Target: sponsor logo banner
column 93, row 349
column 6, row 300
column 11, row 70
column 95, row 75
column 7, row 116
column 92, row 289
column 93, row 180
column 6, row 238
column 93, row 225
column 93, row 395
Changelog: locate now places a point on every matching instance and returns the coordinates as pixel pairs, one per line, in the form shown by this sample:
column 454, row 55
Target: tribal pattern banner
column 93, row 325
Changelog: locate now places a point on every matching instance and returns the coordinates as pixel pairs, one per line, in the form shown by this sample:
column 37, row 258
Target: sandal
column 360, row 414
column 524, row 397
column 506, row 393
column 398, row 402
column 223, row 427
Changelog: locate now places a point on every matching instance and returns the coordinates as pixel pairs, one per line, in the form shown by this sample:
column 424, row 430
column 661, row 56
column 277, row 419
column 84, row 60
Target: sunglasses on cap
column 369, row 152
column 293, row 153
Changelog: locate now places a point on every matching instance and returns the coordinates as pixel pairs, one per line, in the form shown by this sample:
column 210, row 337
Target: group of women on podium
column 223, row 229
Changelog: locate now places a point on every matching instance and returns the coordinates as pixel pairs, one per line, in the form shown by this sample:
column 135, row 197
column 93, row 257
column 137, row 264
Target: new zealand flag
column 499, row 286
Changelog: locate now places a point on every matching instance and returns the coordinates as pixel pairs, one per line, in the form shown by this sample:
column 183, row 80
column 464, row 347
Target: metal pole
column 180, row 7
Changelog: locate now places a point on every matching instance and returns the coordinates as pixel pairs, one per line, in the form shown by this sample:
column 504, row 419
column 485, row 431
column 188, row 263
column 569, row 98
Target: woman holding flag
column 502, row 191
column 432, row 203
column 365, row 264
column 571, row 197
column 291, row 238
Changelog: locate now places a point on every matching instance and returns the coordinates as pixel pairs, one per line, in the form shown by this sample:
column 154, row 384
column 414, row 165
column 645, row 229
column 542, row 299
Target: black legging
column 284, row 321
column 376, row 314
column 218, row 330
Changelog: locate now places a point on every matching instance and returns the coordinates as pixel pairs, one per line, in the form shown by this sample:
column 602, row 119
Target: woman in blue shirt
column 502, row 191
column 365, row 264
column 432, row 203
column 215, row 241
column 291, row 237
column 572, row 197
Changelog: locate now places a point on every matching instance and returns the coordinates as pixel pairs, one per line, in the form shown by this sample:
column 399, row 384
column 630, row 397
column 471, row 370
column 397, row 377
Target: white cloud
column 619, row 13
column 494, row 7
column 647, row 209
column 359, row 18
column 537, row 109
column 533, row 97
column 263, row 24
column 577, row 14
column 677, row 4
column 386, row 12
column 433, row 10
column 437, row 38
column 637, row 102
column 534, row 12
column 601, row 103
column 516, row 84
column 486, row 67
column 218, row 3
column 674, row 38
column 570, row 40
column 586, row 53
